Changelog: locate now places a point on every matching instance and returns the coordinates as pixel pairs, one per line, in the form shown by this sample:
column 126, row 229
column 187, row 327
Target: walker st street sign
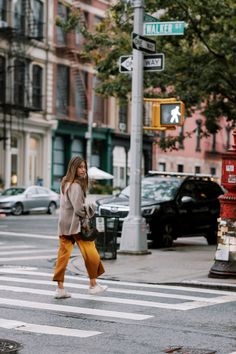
column 144, row 44
column 169, row 28
column 152, row 62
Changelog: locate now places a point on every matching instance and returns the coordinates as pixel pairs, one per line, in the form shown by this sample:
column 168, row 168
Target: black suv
column 173, row 205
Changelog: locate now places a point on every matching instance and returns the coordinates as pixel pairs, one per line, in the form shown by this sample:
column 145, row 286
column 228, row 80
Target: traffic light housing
column 165, row 114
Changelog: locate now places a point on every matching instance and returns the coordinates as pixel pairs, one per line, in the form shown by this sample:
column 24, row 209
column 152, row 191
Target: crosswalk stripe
column 115, row 290
column 43, row 329
column 123, row 301
column 4, row 259
column 14, row 270
column 9, row 253
column 16, row 247
column 73, row 309
column 203, row 302
column 18, row 234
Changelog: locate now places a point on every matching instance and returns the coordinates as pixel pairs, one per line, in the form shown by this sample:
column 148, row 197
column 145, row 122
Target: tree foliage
column 199, row 66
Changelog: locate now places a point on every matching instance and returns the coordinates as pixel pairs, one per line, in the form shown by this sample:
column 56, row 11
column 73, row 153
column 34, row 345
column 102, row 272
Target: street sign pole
column 134, row 235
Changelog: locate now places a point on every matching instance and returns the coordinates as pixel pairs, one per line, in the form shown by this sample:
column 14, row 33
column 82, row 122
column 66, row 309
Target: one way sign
column 143, row 43
column 151, row 62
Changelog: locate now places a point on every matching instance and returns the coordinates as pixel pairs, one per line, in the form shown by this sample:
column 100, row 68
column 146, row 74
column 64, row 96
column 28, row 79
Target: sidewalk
column 188, row 262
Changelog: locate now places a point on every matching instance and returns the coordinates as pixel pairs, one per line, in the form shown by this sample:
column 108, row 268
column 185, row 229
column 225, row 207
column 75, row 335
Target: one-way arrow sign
column 151, row 62
column 143, row 43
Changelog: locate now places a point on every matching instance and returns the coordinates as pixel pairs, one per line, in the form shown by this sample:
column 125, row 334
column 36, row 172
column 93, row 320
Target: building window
column 99, row 104
column 36, row 28
column 37, row 86
column 123, row 113
column 180, row 168
column 2, row 79
column 81, row 80
column 162, row 166
column 19, row 82
column 197, row 169
column 63, row 14
column 77, row 148
column 19, row 17
column 58, row 162
column 198, row 134
column 3, row 16
column 79, row 38
column 62, row 99
column 213, row 171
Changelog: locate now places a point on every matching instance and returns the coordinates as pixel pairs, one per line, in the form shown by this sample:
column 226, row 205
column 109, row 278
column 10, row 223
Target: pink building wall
column 196, row 156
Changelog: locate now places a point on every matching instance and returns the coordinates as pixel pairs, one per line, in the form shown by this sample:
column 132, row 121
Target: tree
column 199, row 66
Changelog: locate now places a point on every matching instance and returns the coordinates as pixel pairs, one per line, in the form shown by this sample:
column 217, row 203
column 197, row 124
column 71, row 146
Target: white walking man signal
column 175, row 114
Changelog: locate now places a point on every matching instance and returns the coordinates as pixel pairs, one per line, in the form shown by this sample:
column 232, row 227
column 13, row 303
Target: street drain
column 9, row 346
column 188, row 350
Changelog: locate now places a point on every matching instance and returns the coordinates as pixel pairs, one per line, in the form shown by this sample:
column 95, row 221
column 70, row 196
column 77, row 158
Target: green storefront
column 69, row 140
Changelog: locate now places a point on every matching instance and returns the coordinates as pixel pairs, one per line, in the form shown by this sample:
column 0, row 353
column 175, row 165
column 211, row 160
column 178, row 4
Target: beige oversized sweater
column 72, row 209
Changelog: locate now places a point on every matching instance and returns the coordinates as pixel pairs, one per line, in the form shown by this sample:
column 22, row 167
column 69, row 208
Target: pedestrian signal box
column 163, row 114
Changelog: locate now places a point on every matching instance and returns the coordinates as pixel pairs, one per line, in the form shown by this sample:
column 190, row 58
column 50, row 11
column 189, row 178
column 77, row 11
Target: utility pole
column 134, row 232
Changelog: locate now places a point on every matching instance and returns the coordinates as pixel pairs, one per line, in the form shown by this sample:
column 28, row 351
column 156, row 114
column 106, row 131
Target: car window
column 189, row 189
column 13, row 191
column 156, row 188
column 32, row 191
column 42, row 190
column 160, row 189
column 209, row 190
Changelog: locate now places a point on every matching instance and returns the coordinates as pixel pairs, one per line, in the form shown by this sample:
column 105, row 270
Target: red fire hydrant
column 225, row 257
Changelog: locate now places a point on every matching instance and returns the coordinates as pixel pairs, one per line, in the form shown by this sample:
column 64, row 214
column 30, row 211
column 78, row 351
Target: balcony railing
column 14, row 24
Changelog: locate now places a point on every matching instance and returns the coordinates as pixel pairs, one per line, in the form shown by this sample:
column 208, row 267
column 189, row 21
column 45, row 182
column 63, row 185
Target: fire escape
column 68, row 47
column 19, row 31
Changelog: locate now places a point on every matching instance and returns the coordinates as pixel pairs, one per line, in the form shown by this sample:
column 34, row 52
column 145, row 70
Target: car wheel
column 17, row 209
column 164, row 235
column 52, row 208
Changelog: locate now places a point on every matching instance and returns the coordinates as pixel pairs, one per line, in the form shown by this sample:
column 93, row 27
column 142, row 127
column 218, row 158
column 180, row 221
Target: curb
column 72, row 267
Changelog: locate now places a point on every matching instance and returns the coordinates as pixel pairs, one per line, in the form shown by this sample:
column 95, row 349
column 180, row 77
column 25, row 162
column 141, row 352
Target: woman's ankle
column 60, row 285
column 93, row 283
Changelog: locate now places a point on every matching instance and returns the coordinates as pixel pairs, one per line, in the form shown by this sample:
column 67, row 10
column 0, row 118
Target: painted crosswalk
column 16, row 252
column 32, row 289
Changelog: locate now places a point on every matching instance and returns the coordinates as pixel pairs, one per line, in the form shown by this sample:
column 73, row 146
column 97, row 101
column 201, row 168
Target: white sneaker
column 97, row 289
column 61, row 294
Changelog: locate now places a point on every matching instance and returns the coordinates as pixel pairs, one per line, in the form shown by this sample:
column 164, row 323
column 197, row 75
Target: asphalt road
column 130, row 318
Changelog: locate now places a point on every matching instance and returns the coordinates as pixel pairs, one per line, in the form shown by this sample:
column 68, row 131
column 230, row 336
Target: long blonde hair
column 71, row 174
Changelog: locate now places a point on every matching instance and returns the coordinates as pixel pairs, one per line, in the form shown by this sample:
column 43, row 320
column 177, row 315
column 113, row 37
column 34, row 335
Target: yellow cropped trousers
column 89, row 252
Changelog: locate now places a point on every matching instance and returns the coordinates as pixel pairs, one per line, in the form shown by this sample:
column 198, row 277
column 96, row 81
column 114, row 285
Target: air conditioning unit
column 122, row 127
column 3, row 24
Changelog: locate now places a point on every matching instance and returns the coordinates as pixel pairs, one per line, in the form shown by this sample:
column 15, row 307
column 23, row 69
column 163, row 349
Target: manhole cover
column 188, row 350
column 9, row 346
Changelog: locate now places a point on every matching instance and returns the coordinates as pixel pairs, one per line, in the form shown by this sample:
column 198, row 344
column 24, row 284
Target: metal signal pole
column 134, row 234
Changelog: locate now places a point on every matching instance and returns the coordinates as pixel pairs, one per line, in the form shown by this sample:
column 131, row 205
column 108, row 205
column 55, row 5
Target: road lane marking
column 4, row 259
column 122, row 301
column 43, row 329
column 115, row 290
column 113, row 282
column 6, row 253
column 182, row 306
column 15, row 247
column 18, row 234
column 74, row 309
